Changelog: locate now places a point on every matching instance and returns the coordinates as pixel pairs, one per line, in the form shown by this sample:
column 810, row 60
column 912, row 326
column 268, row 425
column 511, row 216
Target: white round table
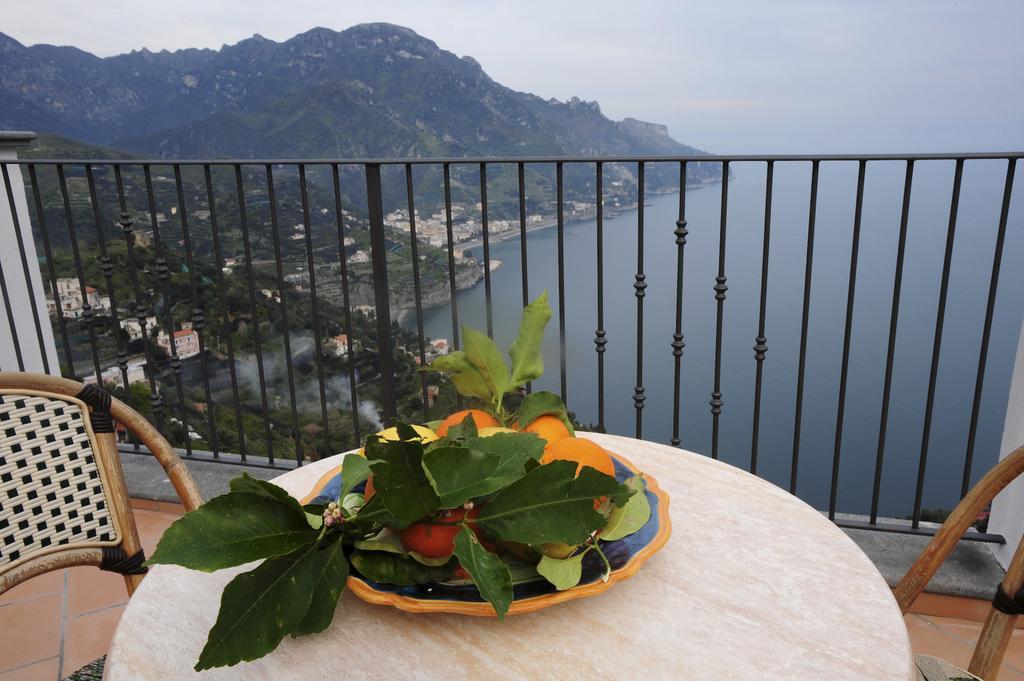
column 753, row 584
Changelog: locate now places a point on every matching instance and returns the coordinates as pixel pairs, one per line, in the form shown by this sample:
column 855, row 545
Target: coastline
column 477, row 244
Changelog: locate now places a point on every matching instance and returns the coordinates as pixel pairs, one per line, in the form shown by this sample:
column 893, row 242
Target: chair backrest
column 63, row 499
column 1008, row 602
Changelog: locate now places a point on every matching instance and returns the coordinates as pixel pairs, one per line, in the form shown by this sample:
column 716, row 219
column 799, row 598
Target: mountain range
column 370, row 91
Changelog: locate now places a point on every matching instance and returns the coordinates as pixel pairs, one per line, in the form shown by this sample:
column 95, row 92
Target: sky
column 735, row 76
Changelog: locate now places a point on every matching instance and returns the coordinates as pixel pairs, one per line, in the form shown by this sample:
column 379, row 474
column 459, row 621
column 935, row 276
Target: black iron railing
column 240, row 187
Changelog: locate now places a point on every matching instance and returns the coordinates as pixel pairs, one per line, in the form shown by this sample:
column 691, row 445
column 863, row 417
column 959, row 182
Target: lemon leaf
column 564, row 573
column 330, row 582
column 354, row 470
column 390, row 568
column 232, row 529
column 464, row 375
column 258, row 608
column 489, row 573
column 630, row 517
column 527, row 360
column 400, row 481
column 485, row 356
column 540, row 403
column 551, row 504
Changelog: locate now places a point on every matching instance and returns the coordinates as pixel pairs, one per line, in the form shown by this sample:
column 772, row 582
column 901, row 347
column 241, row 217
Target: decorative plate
column 531, row 591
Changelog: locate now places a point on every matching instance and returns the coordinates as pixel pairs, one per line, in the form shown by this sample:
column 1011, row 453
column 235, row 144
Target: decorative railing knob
column 681, row 232
column 599, row 340
column 107, row 266
column 716, row 403
column 677, row 345
column 720, row 288
column 640, row 285
column 126, row 223
column 760, row 348
column 638, row 396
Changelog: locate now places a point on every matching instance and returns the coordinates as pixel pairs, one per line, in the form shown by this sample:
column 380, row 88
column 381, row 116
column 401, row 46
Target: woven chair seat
column 51, row 488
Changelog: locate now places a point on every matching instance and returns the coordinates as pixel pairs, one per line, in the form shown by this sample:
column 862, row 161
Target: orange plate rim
column 520, row 607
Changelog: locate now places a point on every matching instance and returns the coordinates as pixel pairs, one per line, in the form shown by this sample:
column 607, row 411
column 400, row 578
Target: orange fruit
column 369, row 491
column 549, row 427
column 436, row 539
column 481, row 418
column 584, row 452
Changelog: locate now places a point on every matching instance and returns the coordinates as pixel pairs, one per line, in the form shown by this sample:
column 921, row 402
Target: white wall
column 1008, row 508
column 14, row 276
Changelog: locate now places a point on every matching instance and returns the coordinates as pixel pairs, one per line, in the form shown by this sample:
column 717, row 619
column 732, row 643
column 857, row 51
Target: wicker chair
column 1008, row 602
column 63, row 499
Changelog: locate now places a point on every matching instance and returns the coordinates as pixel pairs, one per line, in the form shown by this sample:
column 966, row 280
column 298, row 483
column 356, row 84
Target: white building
column 69, row 295
column 338, row 345
column 186, row 343
column 136, row 371
column 437, row 348
column 359, row 256
column 134, row 330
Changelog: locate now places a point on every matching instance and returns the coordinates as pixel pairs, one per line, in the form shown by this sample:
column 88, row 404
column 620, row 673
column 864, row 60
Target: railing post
column 26, row 338
column 1007, row 516
column 382, row 308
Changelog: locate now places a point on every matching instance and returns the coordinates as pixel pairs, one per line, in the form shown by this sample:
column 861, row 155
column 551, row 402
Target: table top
column 753, row 584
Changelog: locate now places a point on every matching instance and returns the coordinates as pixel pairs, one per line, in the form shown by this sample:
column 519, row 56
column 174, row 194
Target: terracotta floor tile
column 173, row 508
column 92, row 589
column 31, row 630
column 152, row 526
column 88, row 637
column 46, row 670
column 145, row 504
column 51, row 582
column 957, row 607
column 953, row 640
column 966, row 631
column 1015, row 651
column 927, row 638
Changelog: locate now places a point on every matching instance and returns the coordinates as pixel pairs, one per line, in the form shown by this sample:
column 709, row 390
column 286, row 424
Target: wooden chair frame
column 995, row 635
column 108, row 461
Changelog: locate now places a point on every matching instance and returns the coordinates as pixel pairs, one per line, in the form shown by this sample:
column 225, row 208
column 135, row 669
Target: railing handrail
column 468, row 160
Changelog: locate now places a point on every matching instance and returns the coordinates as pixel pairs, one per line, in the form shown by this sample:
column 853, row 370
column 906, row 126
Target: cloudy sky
column 730, row 76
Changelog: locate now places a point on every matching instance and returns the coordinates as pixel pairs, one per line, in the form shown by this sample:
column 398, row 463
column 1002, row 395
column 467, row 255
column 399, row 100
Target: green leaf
column 631, row 516
column 373, row 512
column 489, row 573
column 250, row 485
column 550, row 504
column 514, row 449
column 327, row 588
column 390, row 568
column 400, row 482
column 484, row 354
column 564, row 573
column 458, row 474
column 464, row 375
column 233, row 529
column 543, row 402
column 387, row 540
column 315, row 520
column 463, row 430
column 258, row 608
column 354, row 470
column 527, row 360
column 484, row 465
